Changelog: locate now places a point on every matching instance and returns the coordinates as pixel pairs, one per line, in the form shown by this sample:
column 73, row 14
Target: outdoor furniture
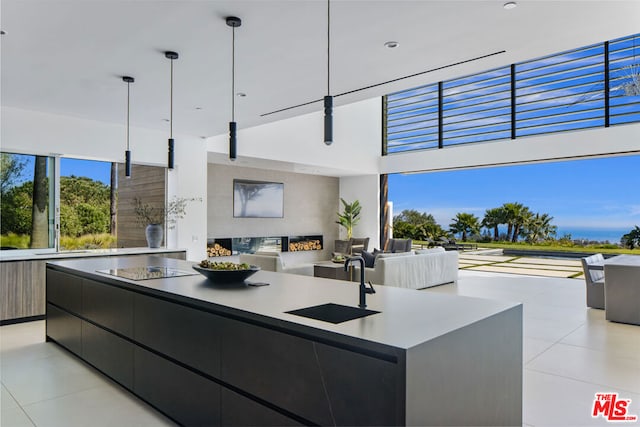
column 398, row 245
column 358, row 245
column 622, row 289
column 594, row 278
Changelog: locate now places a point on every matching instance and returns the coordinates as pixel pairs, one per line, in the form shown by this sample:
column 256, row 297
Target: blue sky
column 100, row 171
column 595, row 193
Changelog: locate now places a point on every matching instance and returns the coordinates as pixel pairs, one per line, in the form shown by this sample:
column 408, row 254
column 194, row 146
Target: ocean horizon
column 613, row 235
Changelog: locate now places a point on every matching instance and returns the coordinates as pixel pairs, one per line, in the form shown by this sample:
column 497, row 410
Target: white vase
column 154, row 233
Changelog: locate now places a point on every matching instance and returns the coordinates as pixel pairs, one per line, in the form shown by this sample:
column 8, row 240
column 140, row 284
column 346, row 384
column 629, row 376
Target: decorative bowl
column 226, row 276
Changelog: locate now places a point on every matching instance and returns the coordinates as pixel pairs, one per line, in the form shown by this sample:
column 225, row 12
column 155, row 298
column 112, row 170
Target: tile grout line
column 581, row 380
column 556, row 342
column 19, row 405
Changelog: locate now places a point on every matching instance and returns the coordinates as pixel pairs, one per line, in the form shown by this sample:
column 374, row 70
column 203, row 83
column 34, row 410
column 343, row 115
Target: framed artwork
column 258, row 199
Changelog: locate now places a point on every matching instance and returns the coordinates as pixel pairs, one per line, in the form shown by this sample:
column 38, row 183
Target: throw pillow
column 369, row 258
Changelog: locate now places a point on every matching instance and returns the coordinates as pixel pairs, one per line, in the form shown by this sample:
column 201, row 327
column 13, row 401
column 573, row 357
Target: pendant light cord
column 171, row 103
column 128, row 93
column 328, row 46
column 233, row 74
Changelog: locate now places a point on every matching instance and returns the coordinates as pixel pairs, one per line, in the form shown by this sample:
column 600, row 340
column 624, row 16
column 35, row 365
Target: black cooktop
column 146, row 273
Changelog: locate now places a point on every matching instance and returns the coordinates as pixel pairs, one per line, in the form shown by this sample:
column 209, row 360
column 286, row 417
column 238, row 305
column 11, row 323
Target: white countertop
column 407, row 317
column 43, row 256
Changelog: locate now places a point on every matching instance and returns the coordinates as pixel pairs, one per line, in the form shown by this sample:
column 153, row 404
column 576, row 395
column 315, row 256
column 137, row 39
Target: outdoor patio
column 570, row 351
column 546, row 267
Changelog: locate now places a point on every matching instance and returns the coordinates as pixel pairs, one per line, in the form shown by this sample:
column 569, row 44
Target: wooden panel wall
column 147, row 183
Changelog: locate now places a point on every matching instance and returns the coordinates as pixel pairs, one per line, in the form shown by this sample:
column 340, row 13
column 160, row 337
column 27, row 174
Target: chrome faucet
column 363, row 289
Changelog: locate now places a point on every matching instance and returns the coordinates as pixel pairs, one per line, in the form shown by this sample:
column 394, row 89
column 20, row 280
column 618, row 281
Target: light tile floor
column 570, row 353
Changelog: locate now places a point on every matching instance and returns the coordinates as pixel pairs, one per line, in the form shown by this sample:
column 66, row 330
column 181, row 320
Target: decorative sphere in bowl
column 225, row 272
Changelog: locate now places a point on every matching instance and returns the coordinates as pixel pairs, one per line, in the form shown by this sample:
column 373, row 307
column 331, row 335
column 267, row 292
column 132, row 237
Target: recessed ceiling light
column 241, row 94
column 391, row 44
column 510, row 5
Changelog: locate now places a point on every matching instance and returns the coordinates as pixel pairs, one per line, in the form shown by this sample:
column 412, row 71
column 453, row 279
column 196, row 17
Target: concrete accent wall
column 310, row 206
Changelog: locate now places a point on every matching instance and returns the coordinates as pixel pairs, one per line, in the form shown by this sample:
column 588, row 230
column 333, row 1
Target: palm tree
column 523, row 216
column 465, row 223
column 632, row 238
column 492, row 219
column 510, row 213
column 39, row 217
column 539, row 227
column 516, row 215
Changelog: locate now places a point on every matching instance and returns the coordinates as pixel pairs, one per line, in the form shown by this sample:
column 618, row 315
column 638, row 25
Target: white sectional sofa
column 282, row 262
column 419, row 270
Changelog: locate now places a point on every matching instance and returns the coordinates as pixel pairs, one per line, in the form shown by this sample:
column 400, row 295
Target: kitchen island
column 207, row 354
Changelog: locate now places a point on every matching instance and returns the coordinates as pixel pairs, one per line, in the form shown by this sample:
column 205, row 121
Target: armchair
column 594, row 281
column 358, row 245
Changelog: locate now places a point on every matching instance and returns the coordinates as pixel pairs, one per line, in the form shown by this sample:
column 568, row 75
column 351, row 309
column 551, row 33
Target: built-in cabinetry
column 22, row 288
column 211, row 354
column 200, row 367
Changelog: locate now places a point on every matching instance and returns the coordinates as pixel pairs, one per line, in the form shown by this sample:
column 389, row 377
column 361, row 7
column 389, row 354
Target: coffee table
column 331, row 270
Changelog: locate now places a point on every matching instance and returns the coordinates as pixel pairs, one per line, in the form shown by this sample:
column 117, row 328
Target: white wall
column 40, row 133
column 189, row 179
column 355, row 150
column 365, row 189
column 621, row 139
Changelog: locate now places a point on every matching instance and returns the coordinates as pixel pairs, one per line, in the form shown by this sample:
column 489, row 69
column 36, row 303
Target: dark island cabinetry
column 207, row 354
column 202, row 368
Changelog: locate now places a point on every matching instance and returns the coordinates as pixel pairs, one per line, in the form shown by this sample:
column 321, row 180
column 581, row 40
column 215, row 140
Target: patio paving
column 530, row 266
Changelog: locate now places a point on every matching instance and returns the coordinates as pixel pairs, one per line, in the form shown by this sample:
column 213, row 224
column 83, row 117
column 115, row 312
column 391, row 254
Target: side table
column 332, row 270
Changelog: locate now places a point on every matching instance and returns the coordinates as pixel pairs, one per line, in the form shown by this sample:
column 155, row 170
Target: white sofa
column 278, row 261
column 419, row 270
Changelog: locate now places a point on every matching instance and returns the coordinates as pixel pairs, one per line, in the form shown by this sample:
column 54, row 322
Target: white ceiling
column 67, row 56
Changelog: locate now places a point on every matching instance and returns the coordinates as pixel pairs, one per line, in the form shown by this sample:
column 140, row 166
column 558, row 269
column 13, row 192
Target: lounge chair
column 594, row 281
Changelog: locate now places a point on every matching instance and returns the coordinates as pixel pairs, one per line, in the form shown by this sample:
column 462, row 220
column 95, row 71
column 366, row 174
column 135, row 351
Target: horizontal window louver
column 477, row 108
column 412, row 119
column 560, row 92
column 624, row 75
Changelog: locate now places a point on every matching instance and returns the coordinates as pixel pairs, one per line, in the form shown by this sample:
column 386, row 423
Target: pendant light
column 328, row 100
column 127, row 154
column 171, row 55
column 233, row 22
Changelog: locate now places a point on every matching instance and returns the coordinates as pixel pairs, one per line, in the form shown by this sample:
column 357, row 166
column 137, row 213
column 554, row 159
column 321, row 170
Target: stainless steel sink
column 333, row 313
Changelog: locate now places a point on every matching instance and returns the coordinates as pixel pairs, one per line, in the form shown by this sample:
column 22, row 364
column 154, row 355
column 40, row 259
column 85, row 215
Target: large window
column 593, row 86
column 87, row 204
column 95, row 202
column 27, row 213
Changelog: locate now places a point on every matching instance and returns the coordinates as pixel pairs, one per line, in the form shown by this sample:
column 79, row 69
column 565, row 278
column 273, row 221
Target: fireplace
column 303, row 243
column 217, row 247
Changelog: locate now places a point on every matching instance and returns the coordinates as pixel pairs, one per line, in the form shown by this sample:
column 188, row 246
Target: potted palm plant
column 153, row 218
column 349, row 216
